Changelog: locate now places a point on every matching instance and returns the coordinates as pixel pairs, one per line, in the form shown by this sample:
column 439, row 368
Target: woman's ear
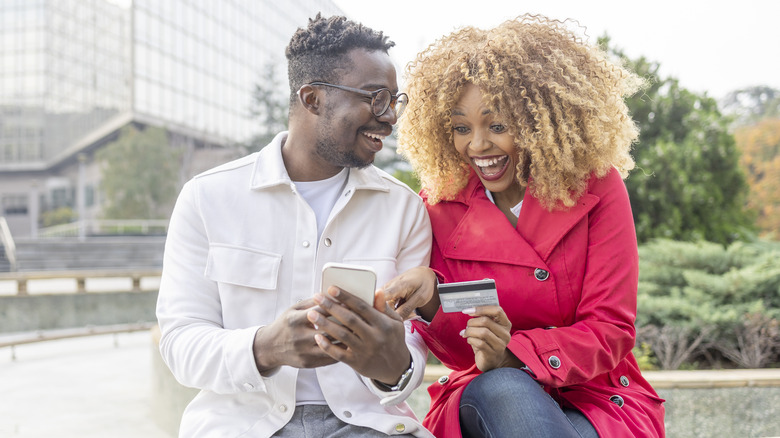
column 309, row 98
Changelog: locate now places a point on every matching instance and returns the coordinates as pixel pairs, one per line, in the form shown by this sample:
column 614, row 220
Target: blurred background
column 108, row 106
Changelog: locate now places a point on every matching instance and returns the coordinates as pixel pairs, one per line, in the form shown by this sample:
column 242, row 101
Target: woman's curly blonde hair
column 560, row 99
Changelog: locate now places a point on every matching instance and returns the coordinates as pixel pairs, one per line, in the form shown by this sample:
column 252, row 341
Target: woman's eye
column 498, row 128
column 460, row 129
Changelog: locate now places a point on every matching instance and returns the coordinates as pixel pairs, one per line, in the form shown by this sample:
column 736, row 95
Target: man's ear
column 309, row 98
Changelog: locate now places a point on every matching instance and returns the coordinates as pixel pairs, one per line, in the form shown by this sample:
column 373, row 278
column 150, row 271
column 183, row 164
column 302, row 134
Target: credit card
column 455, row 297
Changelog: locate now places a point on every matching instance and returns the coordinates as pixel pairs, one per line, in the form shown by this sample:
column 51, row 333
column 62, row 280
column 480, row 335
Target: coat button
column 327, row 242
column 283, row 408
column 443, row 380
column 554, row 362
column 541, row 274
column 624, row 380
column 400, row 427
column 618, row 400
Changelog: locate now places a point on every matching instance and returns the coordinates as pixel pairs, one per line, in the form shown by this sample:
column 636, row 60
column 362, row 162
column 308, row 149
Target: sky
column 714, row 46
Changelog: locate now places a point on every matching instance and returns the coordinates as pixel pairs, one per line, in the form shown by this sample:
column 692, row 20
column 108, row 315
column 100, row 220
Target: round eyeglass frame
column 381, row 99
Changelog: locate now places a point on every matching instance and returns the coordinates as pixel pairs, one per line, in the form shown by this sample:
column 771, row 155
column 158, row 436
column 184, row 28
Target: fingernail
column 462, row 333
column 333, row 291
column 318, row 298
column 318, row 339
column 313, row 316
column 469, row 311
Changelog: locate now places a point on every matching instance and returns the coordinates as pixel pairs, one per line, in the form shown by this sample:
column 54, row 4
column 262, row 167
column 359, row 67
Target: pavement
column 97, row 386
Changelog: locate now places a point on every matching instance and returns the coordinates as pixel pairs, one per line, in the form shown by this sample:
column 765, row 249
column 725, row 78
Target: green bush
column 703, row 300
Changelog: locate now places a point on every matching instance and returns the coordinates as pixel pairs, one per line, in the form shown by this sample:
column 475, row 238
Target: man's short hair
column 314, row 53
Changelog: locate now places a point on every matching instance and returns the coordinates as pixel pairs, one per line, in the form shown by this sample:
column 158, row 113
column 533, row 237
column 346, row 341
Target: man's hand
column 488, row 333
column 414, row 289
column 371, row 340
column 289, row 340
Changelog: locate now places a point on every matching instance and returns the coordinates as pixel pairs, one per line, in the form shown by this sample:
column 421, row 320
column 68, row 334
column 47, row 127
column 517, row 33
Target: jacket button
column 618, row 400
column 443, row 380
column 400, row 427
column 624, row 380
column 348, row 414
column 541, row 274
column 327, row 242
column 554, row 362
column 283, row 408
column 305, row 243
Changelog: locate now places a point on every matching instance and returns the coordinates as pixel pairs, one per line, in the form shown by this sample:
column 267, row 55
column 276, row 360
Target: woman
column 520, row 137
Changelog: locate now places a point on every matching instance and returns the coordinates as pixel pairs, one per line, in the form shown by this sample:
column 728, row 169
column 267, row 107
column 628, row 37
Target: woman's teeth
column 490, row 166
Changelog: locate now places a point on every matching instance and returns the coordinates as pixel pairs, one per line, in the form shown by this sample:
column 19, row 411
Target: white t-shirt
column 515, row 210
column 321, row 197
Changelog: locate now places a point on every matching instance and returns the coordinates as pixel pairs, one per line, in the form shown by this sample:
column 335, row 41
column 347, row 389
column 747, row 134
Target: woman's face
column 482, row 139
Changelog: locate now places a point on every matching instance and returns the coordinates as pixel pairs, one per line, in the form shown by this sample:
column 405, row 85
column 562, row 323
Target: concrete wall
column 58, row 311
column 724, row 405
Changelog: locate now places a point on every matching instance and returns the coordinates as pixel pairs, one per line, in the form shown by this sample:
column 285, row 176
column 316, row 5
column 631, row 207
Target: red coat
column 567, row 280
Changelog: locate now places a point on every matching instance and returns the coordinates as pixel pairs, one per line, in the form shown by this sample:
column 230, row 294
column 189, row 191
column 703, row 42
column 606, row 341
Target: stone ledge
column 766, row 377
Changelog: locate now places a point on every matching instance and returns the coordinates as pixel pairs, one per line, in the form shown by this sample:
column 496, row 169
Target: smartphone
column 358, row 280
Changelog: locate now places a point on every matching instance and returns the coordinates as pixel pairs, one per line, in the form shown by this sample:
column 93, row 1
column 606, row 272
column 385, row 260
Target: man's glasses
column 381, row 99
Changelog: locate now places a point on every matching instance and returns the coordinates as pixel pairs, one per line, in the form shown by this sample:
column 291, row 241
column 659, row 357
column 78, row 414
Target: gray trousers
column 318, row 421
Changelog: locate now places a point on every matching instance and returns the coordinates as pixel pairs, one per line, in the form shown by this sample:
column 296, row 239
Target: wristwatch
column 402, row 382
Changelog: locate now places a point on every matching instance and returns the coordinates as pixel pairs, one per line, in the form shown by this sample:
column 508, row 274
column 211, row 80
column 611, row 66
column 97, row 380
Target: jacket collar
column 484, row 233
column 269, row 170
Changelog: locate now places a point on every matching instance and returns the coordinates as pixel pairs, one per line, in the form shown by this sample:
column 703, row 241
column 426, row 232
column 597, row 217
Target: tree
column 270, row 106
column 688, row 184
column 752, row 104
column 760, row 147
column 140, row 174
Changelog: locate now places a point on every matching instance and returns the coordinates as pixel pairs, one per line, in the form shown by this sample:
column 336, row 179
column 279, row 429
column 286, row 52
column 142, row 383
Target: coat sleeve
column 603, row 331
column 193, row 343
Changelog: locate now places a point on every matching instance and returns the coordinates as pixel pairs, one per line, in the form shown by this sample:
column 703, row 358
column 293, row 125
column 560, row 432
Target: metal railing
column 107, row 227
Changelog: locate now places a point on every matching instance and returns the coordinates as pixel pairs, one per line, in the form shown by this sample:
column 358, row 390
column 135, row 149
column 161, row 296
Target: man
column 239, row 308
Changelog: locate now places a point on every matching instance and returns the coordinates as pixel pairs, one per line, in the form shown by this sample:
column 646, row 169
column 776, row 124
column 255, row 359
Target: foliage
column 702, row 298
column 140, row 174
column 62, row 215
column 687, row 163
column 270, row 107
column 753, row 104
column 760, row 160
column 409, row 178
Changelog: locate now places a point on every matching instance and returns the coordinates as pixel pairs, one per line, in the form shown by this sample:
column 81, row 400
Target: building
column 74, row 72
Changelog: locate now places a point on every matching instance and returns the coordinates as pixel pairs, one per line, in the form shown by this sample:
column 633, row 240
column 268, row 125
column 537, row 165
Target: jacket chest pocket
column 247, row 279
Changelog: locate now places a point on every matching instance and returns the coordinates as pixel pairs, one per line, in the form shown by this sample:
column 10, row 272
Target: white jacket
column 242, row 248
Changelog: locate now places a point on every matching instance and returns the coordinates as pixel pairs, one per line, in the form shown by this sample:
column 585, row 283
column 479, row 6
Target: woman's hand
column 413, row 289
column 488, row 334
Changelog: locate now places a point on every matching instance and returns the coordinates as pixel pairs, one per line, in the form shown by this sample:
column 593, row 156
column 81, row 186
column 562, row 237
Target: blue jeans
column 507, row 402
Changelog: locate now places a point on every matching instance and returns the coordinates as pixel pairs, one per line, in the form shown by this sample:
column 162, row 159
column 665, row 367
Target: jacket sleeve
column 193, row 343
column 603, row 331
column 415, row 251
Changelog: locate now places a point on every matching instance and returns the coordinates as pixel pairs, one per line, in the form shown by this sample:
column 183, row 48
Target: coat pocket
column 247, row 280
column 243, row 266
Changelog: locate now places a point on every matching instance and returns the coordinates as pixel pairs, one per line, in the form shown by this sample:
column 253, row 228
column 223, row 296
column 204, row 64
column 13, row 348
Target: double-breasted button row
column 541, row 274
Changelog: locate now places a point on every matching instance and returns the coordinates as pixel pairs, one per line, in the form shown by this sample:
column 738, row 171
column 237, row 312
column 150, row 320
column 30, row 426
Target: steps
column 59, row 254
